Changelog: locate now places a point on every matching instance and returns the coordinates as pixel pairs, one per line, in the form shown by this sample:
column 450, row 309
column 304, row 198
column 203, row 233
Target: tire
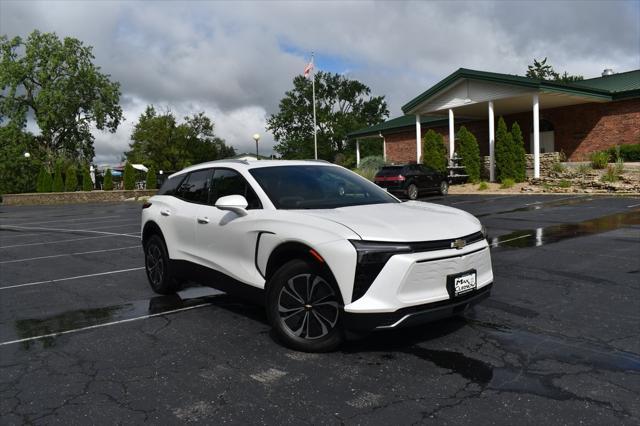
column 444, row 187
column 305, row 308
column 158, row 266
column 412, row 191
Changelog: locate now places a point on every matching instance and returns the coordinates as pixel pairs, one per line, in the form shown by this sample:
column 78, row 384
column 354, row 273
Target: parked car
column 324, row 249
column 411, row 180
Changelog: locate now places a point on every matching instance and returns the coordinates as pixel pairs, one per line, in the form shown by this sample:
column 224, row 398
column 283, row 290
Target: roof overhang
column 464, row 90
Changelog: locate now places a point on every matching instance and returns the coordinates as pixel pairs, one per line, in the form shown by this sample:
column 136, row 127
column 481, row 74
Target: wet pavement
column 84, row 340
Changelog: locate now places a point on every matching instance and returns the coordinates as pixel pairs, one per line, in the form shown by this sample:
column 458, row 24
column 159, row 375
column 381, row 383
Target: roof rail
column 319, row 161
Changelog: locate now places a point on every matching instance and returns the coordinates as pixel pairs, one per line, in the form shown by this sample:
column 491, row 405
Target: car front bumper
column 415, row 315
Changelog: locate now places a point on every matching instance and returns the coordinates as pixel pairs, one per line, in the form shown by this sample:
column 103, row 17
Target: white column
column 357, row 153
column 418, row 140
column 536, row 136
column 492, row 145
column 384, row 148
column 452, row 135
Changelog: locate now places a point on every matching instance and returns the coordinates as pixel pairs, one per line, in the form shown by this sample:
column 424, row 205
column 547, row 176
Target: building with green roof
column 573, row 118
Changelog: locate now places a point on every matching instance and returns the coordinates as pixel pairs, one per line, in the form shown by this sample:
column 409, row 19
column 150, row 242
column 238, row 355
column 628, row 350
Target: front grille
column 419, row 247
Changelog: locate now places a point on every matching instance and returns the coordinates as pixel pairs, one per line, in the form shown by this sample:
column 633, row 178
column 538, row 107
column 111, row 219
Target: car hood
column 408, row 221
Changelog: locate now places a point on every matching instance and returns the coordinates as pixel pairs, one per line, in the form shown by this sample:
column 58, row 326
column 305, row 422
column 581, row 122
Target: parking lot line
column 106, row 324
column 63, row 230
column 497, row 243
column 65, row 241
column 70, row 278
column 68, row 254
column 67, row 220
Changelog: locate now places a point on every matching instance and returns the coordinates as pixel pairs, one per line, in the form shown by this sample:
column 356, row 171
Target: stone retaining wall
column 73, row 197
column 547, row 159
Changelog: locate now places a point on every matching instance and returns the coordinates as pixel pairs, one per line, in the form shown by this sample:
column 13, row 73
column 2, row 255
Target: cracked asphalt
column 83, row 339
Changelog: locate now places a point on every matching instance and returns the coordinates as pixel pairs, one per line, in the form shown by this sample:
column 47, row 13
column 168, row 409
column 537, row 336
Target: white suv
column 323, row 248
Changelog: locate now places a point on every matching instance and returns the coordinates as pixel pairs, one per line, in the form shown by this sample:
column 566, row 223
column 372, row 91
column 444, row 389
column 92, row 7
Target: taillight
column 146, row 205
column 398, row 178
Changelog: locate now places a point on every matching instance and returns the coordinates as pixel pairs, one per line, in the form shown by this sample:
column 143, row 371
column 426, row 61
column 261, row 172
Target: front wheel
column 304, row 307
column 412, row 191
column 444, row 187
column 158, row 268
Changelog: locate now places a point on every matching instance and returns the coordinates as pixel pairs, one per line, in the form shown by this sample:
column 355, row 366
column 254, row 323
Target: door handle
column 165, row 212
column 203, row 220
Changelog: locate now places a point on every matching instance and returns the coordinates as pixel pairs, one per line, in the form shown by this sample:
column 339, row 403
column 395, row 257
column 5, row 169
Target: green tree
column 505, row 161
column 469, row 153
column 434, row 153
column 17, row 173
column 71, row 180
column 107, row 185
column 87, row 183
column 47, row 183
column 57, row 83
column 342, row 106
column 160, row 141
column 152, row 179
column 543, row 71
column 519, row 154
column 41, row 178
column 58, row 183
column 129, row 177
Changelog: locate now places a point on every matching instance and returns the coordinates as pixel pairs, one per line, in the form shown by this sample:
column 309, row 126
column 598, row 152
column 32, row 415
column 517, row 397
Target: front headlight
column 372, row 256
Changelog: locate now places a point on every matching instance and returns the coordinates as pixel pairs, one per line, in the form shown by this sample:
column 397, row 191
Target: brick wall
column 578, row 130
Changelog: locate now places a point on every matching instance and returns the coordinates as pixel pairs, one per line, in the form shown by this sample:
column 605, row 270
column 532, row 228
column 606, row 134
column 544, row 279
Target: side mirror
column 234, row 203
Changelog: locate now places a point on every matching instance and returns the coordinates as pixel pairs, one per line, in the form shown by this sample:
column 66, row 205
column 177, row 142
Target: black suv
column 411, row 180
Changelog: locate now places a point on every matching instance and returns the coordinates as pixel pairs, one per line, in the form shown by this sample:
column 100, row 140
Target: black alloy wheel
column 305, row 308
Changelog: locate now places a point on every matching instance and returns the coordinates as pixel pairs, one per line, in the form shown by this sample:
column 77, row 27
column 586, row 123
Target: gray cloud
column 227, row 58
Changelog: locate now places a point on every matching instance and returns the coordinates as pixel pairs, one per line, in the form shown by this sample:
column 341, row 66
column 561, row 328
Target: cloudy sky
column 235, row 60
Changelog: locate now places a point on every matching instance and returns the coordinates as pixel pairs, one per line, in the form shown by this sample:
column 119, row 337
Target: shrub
column 564, row 183
column 152, row 179
column 583, row 169
column 483, row 186
column 434, row 153
column 41, row 178
column 87, row 183
column 510, row 153
column 366, row 173
column 507, row 183
column 107, row 185
column 129, row 176
column 469, row 153
column 628, row 153
column 47, row 181
column 610, row 175
column 558, row 167
column 599, row 160
column 58, row 183
column 71, row 180
column 372, row 162
column 519, row 154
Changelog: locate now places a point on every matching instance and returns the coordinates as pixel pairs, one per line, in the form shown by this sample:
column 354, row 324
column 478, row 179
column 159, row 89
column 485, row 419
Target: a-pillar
column 418, row 140
column 492, row 145
column 452, row 134
column 536, row 136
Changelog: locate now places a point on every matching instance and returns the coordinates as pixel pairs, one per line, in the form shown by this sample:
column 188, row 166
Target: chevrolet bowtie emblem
column 458, row 244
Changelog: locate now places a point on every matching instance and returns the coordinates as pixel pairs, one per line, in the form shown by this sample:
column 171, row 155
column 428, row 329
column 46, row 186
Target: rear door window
column 170, row 185
column 195, row 187
column 229, row 182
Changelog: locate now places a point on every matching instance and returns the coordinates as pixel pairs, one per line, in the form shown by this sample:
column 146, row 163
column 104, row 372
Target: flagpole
column 313, row 89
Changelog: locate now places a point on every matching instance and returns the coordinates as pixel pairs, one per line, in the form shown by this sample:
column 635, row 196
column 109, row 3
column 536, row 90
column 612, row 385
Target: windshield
column 317, row 187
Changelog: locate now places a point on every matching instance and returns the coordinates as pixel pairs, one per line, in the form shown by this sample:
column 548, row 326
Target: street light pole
column 256, row 137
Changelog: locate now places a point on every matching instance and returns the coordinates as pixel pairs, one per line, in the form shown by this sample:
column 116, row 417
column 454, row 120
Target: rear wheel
column 444, row 187
column 304, row 307
column 158, row 267
column 412, row 191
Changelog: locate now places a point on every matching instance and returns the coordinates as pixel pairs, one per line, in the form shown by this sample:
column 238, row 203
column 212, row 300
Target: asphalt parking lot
column 83, row 339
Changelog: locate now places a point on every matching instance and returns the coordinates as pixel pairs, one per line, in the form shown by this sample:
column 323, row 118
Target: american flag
column 308, row 69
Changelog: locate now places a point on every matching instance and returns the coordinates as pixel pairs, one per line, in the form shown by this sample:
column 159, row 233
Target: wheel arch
column 151, row 228
column 292, row 250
